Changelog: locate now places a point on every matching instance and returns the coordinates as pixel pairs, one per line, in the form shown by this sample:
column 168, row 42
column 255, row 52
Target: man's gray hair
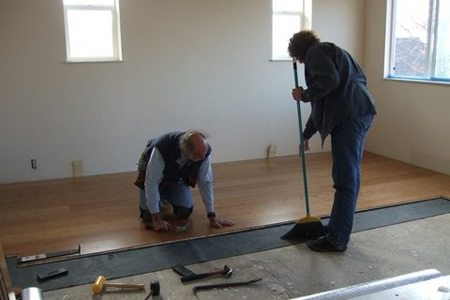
column 186, row 147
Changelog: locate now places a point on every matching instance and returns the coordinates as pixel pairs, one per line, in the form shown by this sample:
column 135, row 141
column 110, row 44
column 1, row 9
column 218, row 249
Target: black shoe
column 323, row 244
column 145, row 215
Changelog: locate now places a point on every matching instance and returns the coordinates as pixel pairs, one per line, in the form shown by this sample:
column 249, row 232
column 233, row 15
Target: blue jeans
column 177, row 194
column 347, row 144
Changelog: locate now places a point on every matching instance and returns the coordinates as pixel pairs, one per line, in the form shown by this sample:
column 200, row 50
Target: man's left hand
column 297, row 93
column 219, row 223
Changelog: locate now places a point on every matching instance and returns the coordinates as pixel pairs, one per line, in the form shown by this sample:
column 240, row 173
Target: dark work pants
column 347, row 142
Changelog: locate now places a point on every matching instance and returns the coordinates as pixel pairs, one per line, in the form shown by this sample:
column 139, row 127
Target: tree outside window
column 420, row 44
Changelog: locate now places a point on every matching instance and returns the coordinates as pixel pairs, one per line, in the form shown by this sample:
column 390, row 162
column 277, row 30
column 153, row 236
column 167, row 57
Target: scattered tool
column 223, row 285
column 182, row 270
column 30, row 258
column 227, row 272
column 52, row 274
column 309, row 227
column 154, row 290
column 101, row 283
column 31, row 293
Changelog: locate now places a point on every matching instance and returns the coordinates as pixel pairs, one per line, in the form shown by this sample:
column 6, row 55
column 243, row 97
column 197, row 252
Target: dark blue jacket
column 168, row 146
column 337, row 89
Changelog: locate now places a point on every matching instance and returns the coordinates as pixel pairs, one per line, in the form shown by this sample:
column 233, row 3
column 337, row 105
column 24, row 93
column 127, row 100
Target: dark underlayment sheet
column 85, row 269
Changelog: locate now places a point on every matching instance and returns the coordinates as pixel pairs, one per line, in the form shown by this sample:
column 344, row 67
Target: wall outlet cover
column 77, row 168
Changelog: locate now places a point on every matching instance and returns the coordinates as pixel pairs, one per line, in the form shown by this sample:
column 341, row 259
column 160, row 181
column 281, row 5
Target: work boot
column 323, row 244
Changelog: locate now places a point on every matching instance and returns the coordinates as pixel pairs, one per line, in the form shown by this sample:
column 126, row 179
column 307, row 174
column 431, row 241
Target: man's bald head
column 193, row 145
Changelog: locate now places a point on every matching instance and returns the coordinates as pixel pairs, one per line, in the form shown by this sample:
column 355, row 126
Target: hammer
column 100, row 283
column 227, row 272
column 223, row 285
column 154, row 289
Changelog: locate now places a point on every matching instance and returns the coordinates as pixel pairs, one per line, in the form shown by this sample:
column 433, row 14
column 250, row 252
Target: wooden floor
column 100, row 212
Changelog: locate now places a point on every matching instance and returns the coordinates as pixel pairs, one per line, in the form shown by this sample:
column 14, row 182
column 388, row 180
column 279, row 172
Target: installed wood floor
column 101, row 214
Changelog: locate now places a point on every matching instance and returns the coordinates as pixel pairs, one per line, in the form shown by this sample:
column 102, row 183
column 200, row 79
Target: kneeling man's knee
column 182, row 212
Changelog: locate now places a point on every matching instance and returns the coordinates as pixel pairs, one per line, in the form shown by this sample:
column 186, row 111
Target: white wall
column 187, row 64
column 413, row 123
column 341, row 22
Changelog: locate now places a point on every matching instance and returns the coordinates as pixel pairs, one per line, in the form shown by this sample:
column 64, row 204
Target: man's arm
column 323, row 75
column 153, row 177
column 205, row 186
column 309, row 130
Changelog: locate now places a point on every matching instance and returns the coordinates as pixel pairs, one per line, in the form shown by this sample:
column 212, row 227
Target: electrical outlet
column 34, row 163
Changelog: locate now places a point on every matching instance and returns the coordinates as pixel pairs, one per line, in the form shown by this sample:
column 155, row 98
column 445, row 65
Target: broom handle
column 302, row 146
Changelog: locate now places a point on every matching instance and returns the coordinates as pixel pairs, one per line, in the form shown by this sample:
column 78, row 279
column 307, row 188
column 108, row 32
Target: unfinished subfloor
column 295, row 271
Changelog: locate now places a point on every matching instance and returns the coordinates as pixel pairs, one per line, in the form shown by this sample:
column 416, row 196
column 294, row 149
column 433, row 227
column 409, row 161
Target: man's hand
column 162, row 226
column 159, row 224
column 306, row 145
column 219, row 223
column 297, row 93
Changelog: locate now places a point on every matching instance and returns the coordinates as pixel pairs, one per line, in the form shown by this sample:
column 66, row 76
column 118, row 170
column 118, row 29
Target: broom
column 308, row 227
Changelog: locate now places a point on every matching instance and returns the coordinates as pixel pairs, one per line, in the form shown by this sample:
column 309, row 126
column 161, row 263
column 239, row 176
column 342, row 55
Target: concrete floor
column 296, row 271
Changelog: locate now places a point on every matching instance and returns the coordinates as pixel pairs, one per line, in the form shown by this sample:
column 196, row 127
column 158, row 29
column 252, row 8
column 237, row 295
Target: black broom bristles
column 307, row 228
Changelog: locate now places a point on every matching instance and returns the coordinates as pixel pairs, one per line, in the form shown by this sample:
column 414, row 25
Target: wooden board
column 101, row 212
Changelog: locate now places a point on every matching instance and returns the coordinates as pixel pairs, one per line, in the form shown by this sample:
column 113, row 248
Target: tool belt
column 142, row 168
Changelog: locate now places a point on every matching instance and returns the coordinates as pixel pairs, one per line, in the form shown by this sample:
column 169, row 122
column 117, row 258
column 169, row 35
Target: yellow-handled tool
column 101, row 283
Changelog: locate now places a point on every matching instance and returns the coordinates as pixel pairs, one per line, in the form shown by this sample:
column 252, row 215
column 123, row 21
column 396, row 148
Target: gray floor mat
column 85, row 269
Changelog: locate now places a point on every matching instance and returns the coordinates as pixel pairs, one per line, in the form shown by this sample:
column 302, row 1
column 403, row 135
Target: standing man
column 169, row 165
column 342, row 107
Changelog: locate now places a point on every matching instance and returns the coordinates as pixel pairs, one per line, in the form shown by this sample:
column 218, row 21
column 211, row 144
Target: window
column 92, row 30
column 420, row 40
column 288, row 17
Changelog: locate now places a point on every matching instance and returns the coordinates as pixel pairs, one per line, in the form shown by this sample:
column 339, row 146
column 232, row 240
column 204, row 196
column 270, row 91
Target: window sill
column 423, row 81
column 93, row 61
column 280, row 60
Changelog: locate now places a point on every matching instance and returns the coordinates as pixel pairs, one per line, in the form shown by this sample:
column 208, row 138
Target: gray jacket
column 337, row 89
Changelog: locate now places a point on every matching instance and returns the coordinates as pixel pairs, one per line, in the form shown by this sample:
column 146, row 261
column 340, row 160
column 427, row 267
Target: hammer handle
column 196, row 277
column 138, row 286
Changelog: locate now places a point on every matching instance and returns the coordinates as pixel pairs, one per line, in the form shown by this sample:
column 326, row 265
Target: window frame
column 305, row 15
column 431, row 53
column 116, row 42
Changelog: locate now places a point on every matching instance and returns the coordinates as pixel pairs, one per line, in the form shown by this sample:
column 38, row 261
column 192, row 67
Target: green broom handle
column 302, row 146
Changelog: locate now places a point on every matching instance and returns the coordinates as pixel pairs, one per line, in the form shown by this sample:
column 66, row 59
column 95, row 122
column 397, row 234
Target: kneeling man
column 169, row 165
